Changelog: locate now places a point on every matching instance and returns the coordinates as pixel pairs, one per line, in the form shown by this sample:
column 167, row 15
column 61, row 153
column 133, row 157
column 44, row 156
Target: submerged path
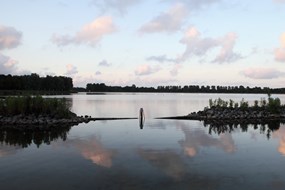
column 45, row 122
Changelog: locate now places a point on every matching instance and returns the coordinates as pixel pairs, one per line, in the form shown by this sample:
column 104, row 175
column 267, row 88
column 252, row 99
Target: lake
column 164, row 154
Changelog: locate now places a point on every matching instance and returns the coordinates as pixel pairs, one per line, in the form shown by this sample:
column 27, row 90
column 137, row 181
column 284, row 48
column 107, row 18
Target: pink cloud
column 146, row 69
column 90, row 34
column 226, row 53
column 169, row 21
column 71, row 69
column 262, row 73
column 9, row 37
column 174, row 71
column 280, row 52
column 198, row 46
column 195, row 140
column 94, row 151
column 280, row 134
column 7, row 65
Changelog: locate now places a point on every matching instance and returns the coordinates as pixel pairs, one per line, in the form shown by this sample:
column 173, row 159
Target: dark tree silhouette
column 101, row 87
column 35, row 82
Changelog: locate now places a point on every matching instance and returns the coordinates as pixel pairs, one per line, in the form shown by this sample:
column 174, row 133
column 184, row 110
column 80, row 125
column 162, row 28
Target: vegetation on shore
column 221, row 112
column 272, row 105
column 50, row 85
column 28, row 105
column 101, row 87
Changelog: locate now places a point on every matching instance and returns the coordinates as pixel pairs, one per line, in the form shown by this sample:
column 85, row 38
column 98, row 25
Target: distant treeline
column 101, row 87
column 35, row 82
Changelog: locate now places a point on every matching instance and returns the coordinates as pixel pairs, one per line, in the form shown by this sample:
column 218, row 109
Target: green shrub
column 255, row 105
column 243, row 104
column 35, row 105
column 231, row 104
column 274, row 105
column 211, row 103
column 263, row 102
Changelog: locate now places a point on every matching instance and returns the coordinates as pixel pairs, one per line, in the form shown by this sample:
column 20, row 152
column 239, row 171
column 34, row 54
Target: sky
column 146, row 42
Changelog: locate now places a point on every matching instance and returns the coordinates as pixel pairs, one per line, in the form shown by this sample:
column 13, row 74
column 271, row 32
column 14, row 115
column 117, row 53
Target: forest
column 101, row 87
column 34, row 82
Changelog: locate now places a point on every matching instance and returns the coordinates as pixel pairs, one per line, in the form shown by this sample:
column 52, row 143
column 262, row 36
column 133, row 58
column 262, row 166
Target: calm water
column 165, row 154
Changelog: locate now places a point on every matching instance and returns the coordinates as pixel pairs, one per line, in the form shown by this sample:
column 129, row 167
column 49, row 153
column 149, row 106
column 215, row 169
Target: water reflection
column 25, row 138
column 167, row 161
column 141, row 118
column 92, row 149
column 8, row 150
column 267, row 127
column 281, row 135
column 194, row 140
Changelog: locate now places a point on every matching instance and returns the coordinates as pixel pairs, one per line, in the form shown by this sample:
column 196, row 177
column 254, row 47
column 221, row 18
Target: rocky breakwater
column 236, row 114
column 40, row 121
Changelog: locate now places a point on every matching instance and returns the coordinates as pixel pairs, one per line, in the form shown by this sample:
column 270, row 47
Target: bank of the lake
column 221, row 111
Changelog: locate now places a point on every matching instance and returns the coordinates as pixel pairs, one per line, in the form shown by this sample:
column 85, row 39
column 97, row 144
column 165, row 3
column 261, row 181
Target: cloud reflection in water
column 92, row 149
column 196, row 139
column 281, row 135
column 165, row 160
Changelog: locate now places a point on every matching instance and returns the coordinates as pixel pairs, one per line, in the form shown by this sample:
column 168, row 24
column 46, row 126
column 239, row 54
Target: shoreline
column 226, row 115
column 45, row 122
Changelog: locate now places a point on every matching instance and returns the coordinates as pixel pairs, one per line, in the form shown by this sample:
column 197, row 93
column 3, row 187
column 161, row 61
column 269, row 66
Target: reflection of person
column 141, row 118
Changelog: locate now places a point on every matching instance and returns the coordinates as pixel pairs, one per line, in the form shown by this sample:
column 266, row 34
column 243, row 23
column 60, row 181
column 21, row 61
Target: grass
column 28, row 105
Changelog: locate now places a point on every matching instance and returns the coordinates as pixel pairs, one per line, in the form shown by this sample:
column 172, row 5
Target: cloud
column 174, row 71
column 198, row 46
column 165, row 160
column 118, row 5
column 80, row 80
column 146, row 70
column 160, row 59
column 94, row 151
column 90, row 34
column 104, row 63
column 194, row 140
column 280, row 52
column 226, row 53
column 71, row 69
column 46, row 71
column 279, row 1
column 262, row 73
column 7, row 65
column 8, row 150
column 98, row 73
column 9, row 37
column 197, row 4
column 169, row 21
column 280, row 134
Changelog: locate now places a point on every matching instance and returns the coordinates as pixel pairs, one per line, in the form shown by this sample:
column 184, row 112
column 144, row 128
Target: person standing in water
column 141, row 117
